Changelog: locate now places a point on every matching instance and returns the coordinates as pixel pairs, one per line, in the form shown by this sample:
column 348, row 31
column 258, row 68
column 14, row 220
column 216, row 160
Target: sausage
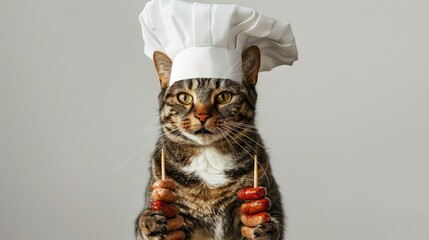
column 164, row 194
column 247, row 194
column 168, row 210
column 253, row 220
column 247, row 232
column 175, row 235
column 167, row 183
column 256, row 206
column 175, row 223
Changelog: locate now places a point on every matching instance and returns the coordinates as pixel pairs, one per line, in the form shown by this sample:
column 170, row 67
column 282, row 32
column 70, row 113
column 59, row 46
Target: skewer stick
column 162, row 164
column 255, row 173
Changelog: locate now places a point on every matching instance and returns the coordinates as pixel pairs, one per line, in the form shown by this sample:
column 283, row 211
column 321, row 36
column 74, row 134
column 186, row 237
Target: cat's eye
column 223, row 97
column 184, row 98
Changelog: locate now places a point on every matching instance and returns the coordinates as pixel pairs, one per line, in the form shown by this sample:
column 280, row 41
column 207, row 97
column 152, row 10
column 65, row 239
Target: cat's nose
column 203, row 117
column 203, row 113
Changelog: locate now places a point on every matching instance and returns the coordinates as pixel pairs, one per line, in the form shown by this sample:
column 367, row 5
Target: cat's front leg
column 160, row 221
column 258, row 223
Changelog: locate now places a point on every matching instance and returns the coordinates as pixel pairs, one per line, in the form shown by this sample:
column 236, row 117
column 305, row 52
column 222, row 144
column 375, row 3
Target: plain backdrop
column 346, row 126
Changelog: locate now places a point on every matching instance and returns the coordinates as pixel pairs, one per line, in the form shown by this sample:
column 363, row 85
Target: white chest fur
column 210, row 166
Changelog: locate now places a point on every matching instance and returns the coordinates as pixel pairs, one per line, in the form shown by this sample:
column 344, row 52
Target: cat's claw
column 266, row 231
column 153, row 225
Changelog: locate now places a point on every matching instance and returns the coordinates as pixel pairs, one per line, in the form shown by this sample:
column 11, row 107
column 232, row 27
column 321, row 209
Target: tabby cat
column 209, row 135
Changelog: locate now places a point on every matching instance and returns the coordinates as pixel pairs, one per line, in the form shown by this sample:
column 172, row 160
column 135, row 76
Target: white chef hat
column 207, row 40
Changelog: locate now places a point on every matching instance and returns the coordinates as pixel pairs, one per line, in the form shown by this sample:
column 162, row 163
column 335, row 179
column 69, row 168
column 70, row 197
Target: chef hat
column 207, row 40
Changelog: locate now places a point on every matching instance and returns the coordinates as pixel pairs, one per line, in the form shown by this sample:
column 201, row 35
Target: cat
column 209, row 136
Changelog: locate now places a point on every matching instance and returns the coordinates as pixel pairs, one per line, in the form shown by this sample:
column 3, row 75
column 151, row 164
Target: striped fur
column 209, row 169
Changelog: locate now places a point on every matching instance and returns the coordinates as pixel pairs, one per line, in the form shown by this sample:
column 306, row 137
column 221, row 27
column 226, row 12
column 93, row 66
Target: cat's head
column 202, row 111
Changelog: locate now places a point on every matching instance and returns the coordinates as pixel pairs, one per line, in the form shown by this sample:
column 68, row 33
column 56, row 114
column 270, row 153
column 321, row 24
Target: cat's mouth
column 202, row 131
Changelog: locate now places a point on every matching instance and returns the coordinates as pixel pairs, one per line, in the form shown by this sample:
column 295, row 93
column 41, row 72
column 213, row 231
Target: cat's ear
column 163, row 67
column 251, row 58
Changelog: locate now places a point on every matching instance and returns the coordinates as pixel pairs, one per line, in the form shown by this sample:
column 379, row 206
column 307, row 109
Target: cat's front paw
column 153, row 225
column 264, row 231
column 258, row 224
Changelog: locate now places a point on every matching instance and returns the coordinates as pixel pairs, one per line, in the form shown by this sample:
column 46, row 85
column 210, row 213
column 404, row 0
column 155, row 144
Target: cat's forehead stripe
column 190, row 83
column 217, row 83
column 196, row 84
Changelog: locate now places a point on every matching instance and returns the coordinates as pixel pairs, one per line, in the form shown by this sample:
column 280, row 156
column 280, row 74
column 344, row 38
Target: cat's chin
column 203, row 139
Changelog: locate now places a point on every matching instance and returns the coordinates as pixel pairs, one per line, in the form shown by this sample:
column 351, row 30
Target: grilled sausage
column 256, row 206
column 253, row 220
column 175, row 235
column 247, row 232
column 168, row 210
column 247, row 194
column 175, row 223
column 167, row 183
column 164, row 194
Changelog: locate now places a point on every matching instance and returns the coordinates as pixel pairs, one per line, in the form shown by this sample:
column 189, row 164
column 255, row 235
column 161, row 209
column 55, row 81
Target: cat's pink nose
column 202, row 112
column 202, row 117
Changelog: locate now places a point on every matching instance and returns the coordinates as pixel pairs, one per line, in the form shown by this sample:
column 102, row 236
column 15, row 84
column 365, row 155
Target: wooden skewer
column 162, row 164
column 255, row 173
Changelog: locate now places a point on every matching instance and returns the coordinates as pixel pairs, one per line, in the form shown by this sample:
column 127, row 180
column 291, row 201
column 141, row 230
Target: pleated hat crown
column 207, row 40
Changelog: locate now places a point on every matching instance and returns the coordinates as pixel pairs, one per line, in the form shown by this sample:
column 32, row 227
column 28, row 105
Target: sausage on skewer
column 164, row 194
column 247, row 194
column 256, row 206
column 175, row 223
column 253, row 220
column 169, row 211
column 247, row 232
column 166, row 183
column 175, row 235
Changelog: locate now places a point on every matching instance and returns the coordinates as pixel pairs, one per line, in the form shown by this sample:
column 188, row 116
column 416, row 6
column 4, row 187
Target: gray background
column 347, row 125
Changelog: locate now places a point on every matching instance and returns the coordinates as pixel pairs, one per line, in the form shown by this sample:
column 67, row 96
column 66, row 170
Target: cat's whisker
column 147, row 155
column 227, row 136
column 235, row 66
column 250, row 146
column 240, row 127
column 160, row 144
column 129, row 158
column 265, row 173
column 147, row 132
column 137, row 152
column 263, row 169
column 222, row 132
column 248, row 125
column 230, row 121
column 239, row 145
column 138, row 133
column 228, row 73
column 231, row 75
column 125, row 134
column 250, row 129
column 244, row 135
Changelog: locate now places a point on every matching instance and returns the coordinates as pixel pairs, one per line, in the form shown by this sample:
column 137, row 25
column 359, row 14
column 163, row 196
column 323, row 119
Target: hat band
column 206, row 62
